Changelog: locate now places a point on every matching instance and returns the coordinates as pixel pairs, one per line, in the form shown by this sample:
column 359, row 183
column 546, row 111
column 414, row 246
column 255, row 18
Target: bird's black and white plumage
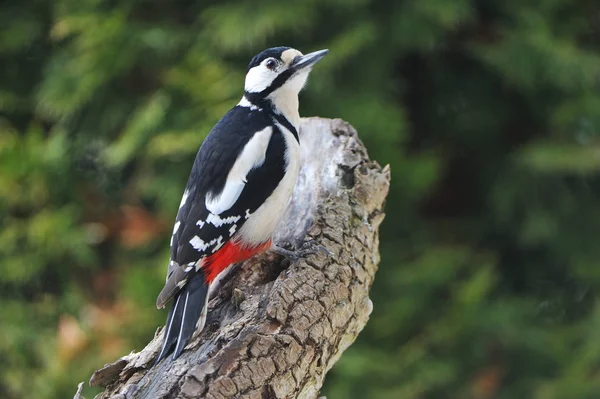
column 238, row 189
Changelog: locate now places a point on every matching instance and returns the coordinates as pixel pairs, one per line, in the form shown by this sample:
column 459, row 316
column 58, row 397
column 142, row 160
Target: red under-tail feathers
column 231, row 253
column 190, row 303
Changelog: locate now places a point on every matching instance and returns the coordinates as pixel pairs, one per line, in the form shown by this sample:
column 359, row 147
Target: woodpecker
column 240, row 184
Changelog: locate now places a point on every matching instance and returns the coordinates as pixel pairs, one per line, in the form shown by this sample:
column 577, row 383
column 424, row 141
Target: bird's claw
column 308, row 248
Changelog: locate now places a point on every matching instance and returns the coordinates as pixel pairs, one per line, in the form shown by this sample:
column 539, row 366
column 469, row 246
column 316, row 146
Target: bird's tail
column 189, row 307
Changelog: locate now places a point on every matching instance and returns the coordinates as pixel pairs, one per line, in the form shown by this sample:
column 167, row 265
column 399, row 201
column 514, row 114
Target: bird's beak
column 308, row 60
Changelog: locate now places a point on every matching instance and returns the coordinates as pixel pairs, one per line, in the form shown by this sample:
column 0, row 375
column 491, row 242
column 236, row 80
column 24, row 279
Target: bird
column 240, row 184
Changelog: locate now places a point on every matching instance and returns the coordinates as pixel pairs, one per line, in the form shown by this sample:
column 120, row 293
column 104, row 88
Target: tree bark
column 276, row 328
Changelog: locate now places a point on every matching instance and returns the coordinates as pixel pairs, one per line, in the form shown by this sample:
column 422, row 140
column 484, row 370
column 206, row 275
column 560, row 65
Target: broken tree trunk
column 275, row 329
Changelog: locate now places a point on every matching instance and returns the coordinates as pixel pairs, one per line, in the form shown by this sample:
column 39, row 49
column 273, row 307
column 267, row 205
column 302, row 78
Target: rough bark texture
column 275, row 328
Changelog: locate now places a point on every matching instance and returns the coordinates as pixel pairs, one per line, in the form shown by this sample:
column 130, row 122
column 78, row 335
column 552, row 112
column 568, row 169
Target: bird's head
column 279, row 72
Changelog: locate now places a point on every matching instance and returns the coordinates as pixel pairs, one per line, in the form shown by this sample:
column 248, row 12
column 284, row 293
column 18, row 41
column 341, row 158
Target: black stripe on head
column 274, row 52
column 275, row 84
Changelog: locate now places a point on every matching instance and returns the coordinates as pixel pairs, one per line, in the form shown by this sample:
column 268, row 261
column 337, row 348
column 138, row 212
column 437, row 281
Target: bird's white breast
column 261, row 224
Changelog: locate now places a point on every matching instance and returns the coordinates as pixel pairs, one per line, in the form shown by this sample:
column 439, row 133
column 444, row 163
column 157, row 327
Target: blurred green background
column 488, row 112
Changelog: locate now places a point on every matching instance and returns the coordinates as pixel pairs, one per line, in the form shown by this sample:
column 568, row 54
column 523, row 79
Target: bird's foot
column 308, row 248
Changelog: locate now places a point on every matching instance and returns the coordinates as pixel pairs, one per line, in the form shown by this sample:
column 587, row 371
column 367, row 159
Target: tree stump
column 275, row 329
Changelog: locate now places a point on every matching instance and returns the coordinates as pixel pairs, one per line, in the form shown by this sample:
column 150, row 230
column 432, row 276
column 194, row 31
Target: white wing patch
column 186, row 193
column 200, row 245
column 217, row 221
column 182, row 283
column 252, row 156
column 231, row 192
column 260, row 224
column 218, row 245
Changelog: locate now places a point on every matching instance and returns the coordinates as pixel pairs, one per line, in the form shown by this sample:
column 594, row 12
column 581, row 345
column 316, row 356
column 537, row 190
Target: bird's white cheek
column 258, row 79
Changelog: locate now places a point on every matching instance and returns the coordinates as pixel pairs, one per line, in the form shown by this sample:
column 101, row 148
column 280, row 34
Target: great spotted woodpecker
column 238, row 189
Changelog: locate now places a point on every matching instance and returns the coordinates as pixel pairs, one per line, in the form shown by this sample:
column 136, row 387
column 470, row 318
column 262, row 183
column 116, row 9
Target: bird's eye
column 271, row 64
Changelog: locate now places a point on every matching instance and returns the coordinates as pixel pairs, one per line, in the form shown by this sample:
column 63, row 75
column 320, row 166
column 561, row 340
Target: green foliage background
column 487, row 110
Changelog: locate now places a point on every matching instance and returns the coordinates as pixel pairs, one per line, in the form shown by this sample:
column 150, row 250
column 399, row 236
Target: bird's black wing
column 199, row 233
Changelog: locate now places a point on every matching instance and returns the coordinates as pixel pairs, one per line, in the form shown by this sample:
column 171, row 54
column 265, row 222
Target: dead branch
column 275, row 329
